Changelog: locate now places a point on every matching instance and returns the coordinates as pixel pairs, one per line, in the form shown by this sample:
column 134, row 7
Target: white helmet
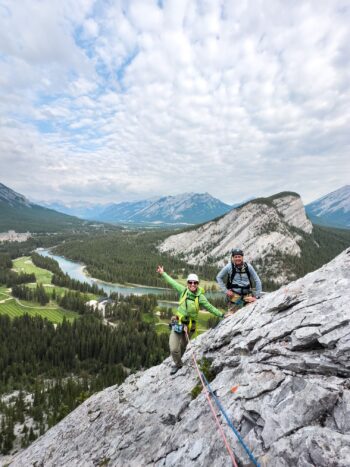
column 192, row 277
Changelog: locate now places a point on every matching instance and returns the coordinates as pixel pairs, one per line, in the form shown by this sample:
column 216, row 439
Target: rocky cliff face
column 264, row 228
column 292, row 210
column 288, row 353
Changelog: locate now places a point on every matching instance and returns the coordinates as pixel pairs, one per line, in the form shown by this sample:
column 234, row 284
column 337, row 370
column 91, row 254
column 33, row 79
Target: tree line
column 61, row 279
column 69, row 300
column 39, row 357
column 128, row 257
column 33, row 295
column 32, row 346
column 9, row 277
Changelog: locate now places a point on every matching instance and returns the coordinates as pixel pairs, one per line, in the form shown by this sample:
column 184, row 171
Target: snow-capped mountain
column 186, row 208
column 123, row 211
column 268, row 229
column 190, row 208
column 332, row 209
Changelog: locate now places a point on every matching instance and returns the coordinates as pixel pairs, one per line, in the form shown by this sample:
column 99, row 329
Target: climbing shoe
column 175, row 369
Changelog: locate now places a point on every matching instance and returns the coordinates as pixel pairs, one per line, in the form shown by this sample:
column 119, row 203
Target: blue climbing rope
column 239, row 437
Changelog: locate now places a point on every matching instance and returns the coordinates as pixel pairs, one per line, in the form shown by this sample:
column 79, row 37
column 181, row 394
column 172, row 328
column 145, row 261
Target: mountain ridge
column 332, row 209
column 19, row 214
column 265, row 229
column 185, row 208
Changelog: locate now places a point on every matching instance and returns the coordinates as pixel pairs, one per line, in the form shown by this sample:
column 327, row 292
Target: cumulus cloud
column 112, row 101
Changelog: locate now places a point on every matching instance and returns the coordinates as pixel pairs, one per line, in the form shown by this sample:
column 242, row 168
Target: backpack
column 244, row 270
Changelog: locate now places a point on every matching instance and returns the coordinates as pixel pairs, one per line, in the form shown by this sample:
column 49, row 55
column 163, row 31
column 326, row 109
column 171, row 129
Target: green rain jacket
column 187, row 305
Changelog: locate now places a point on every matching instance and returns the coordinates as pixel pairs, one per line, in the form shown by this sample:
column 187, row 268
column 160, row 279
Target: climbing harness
column 232, row 284
column 207, row 390
column 176, row 326
column 184, row 297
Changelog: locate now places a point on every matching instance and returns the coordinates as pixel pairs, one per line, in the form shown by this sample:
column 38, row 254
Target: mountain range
column 186, row 208
column 332, row 209
column 19, row 214
column 274, row 233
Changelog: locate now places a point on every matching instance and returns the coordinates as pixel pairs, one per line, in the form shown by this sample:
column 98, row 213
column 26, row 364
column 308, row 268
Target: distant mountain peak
column 332, row 209
column 184, row 208
column 264, row 227
column 189, row 208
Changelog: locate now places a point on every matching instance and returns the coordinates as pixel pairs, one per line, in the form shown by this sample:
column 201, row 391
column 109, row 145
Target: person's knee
column 174, row 344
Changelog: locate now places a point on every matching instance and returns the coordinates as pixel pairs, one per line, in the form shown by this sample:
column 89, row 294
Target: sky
column 110, row 101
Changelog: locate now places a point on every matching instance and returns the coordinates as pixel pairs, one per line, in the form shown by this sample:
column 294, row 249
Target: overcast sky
column 122, row 100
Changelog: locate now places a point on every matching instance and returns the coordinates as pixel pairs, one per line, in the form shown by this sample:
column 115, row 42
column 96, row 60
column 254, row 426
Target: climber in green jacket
column 191, row 298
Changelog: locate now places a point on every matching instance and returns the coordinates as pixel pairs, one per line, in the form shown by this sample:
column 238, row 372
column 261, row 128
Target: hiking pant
column 236, row 303
column 177, row 344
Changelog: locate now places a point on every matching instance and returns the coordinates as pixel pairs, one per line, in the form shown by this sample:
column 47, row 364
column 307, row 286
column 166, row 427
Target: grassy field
column 4, row 293
column 24, row 264
column 55, row 314
column 14, row 307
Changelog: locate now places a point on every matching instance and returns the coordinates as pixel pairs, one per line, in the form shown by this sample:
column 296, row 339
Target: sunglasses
column 192, row 282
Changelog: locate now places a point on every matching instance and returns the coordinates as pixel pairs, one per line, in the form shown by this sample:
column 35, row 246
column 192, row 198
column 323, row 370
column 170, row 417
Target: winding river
column 76, row 271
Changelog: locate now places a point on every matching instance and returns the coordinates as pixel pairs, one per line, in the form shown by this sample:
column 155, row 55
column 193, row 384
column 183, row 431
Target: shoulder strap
column 183, row 298
column 246, row 267
column 231, row 276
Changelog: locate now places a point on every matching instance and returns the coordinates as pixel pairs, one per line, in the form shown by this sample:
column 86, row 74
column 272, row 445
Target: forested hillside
column 62, row 365
column 128, row 257
column 317, row 249
column 47, row 369
column 19, row 214
column 132, row 256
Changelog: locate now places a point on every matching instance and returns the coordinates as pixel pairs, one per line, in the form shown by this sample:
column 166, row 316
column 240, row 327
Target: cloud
column 112, row 101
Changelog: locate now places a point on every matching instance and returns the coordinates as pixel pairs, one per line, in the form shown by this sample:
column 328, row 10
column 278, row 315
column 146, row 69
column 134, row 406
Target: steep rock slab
column 288, row 353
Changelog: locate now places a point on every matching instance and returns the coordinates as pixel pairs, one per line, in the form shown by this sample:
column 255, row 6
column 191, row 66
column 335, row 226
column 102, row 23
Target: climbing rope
column 230, row 424
column 206, row 386
column 229, row 450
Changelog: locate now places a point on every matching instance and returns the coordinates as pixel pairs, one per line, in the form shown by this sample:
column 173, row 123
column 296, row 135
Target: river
column 76, row 271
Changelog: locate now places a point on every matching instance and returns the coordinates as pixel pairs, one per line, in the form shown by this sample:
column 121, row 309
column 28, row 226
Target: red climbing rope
column 229, row 450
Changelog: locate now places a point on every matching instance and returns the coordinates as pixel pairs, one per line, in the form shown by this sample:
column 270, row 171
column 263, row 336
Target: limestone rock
column 288, row 357
column 264, row 229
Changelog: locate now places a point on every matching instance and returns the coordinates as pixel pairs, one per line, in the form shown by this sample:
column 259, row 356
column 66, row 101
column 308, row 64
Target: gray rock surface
column 288, row 353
